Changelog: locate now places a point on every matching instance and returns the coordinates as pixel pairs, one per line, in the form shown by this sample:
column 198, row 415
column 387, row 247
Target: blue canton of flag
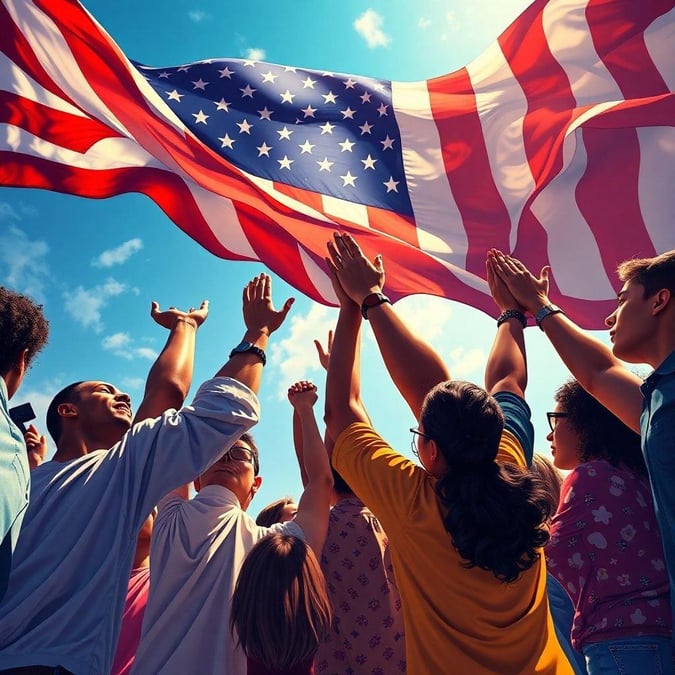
column 330, row 134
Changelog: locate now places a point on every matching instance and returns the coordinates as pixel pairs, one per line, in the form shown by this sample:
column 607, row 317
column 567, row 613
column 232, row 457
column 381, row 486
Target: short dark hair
column 495, row 513
column 652, row 273
column 340, row 485
column 602, row 435
column 22, row 326
column 66, row 395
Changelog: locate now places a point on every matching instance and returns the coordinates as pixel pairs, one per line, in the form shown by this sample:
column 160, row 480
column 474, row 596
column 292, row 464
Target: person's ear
column 257, row 482
column 661, row 300
column 67, row 410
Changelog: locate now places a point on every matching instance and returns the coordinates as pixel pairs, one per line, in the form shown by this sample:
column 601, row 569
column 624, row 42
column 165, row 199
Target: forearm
column 247, row 367
column 314, row 456
column 298, row 444
column 414, row 366
column 506, row 368
column 170, row 377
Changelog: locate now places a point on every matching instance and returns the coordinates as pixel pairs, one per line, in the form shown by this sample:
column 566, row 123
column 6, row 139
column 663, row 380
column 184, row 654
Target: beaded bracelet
column 512, row 314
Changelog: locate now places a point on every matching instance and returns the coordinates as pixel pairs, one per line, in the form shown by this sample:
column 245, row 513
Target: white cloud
column 85, row 305
column 295, row 357
column 424, row 23
column 121, row 345
column 119, row 255
column 452, row 22
column 468, row 364
column 255, row 54
column 197, row 15
column 369, row 27
column 426, row 315
column 133, row 382
column 23, row 264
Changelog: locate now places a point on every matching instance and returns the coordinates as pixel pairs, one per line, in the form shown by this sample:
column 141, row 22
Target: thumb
column 287, row 306
column 154, row 308
column 379, row 264
column 545, row 271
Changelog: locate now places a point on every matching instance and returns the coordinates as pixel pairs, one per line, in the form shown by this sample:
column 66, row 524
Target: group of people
column 476, row 558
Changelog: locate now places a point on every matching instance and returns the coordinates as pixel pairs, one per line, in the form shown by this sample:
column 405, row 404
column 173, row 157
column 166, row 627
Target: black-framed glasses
column 553, row 418
column 413, row 444
column 240, row 454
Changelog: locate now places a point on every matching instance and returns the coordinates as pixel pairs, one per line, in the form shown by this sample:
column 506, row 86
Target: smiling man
column 63, row 608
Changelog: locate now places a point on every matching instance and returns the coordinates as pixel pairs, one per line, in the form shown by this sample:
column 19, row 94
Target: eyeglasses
column 240, row 454
column 413, row 444
column 553, row 418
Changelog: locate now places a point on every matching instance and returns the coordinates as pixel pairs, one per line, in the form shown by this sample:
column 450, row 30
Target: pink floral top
column 367, row 636
column 606, row 551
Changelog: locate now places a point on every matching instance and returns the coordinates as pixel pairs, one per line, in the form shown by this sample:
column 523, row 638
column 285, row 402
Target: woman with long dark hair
column 467, row 526
column 605, row 546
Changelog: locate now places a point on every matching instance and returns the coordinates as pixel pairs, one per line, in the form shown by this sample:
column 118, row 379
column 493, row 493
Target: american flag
column 557, row 145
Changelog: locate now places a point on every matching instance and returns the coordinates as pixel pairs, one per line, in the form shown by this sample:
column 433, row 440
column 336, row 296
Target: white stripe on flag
column 660, row 41
column 351, row 211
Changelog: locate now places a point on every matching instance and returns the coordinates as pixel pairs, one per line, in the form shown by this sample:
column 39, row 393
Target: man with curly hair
column 23, row 333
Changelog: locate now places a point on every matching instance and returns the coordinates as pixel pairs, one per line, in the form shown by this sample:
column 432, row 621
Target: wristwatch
column 244, row 347
column 372, row 300
column 545, row 311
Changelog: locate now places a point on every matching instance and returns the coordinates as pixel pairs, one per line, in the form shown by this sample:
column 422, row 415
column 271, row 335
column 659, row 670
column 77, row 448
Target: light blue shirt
column 657, row 427
column 72, row 563
column 15, row 482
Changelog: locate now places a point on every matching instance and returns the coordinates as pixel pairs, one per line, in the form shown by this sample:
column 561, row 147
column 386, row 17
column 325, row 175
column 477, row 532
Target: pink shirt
column 606, row 551
column 367, row 635
column 132, row 619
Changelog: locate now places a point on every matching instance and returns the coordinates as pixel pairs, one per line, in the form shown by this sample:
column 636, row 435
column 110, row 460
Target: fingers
column 154, row 308
column 330, row 340
column 301, row 386
column 335, row 260
column 320, row 350
column 287, row 306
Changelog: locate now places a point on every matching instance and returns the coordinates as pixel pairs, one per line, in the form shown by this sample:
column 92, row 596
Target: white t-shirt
column 198, row 547
column 73, row 559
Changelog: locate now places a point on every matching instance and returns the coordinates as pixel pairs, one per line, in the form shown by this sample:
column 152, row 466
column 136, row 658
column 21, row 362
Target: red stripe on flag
column 484, row 215
column 618, row 36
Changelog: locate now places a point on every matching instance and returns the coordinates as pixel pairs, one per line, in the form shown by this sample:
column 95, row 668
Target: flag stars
column 330, row 97
column 290, row 69
column 264, row 149
column 284, row 134
column 348, row 179
column 368, row 163
column 326, row 128
column 306, row 147
column 383, row 109
column 365, row 97
column 244, row 127
column 183, row 69
column 365, row 128
column 287, row 97
column 388, row 143
column 227, row 142
column 350, row 84
column 248, row 63
column 308, row 111
column 325, row 165
column 266, row 114
column 247, row 91
column 269, row 77
column 308, row 83
column 223, row 105
column 200, row 117
column 165, row 75
column 174, row 95
column 200, row 84
column 285, row 163
column 346, row 145
column 391, row 184
column 348, row 113
column 226, row 72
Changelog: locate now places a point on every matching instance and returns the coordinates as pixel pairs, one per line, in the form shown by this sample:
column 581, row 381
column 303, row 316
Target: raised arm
column 261, row 319
column 170, row 377
column 591, row 362
column 414, row 366
column 314, row 504
column 506, row 368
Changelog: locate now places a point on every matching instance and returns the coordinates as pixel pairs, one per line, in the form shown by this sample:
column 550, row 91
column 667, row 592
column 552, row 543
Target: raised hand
column 259, row 312
column 324, row 354
column 529, row 291
column 358, row 276
column 168, row 317
column 499, row 290
column 302, row 394
column 36, row 446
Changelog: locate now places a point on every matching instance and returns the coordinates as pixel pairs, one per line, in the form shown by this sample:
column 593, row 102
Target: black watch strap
column 246, row 347
column 372, row 300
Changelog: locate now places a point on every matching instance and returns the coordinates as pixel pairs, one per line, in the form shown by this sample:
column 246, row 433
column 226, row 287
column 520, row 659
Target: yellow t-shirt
column 457, row 620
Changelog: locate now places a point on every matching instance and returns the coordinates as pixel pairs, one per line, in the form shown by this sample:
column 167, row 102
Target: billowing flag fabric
column 557, row 144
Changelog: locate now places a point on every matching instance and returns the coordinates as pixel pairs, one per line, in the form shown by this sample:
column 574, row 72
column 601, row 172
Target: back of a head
column 280, row 609
column 652, row 273
column 23, row 326
column 601, row 434
column 66, row 395
column 495, row 514
column 273, row 513
column 551, row 478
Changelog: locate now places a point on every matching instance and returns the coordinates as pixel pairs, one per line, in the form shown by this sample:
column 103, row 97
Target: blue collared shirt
column 657, row 426
column 15, row 482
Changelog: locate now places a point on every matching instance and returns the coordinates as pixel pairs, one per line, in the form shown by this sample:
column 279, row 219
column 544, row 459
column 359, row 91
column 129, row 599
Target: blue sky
column 97, row 265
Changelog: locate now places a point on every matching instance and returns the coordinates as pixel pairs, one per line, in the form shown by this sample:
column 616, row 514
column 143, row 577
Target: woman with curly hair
column 280, row 610
column 605, row 547
column 465, row 525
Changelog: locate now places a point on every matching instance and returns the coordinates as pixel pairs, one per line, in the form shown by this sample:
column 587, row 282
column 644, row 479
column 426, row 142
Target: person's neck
column 662, row 346
column 73, row 445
